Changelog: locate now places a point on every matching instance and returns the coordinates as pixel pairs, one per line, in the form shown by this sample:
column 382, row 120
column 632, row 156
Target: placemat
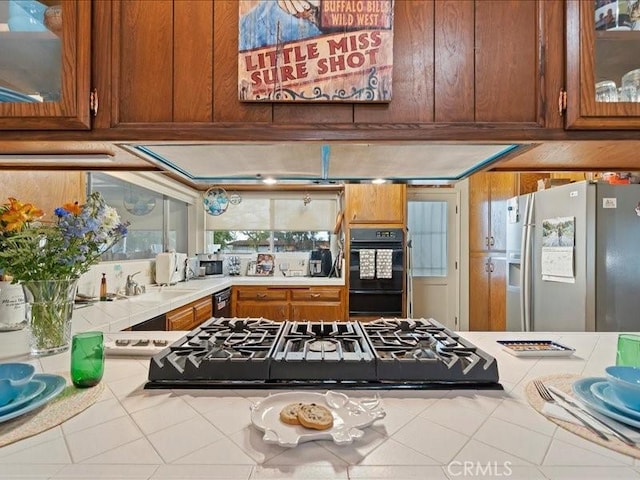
column 563, row 382
column 69, row 403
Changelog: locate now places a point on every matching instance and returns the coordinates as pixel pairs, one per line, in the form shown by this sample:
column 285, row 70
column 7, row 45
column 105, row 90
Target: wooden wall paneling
column 591, row 155
column 226, row 106
column 454, row 61
column 144, row 36
column 412, row 98
column 506, row 61
column 528, row 182
column 46, row 190
column 299, row 113
column 193, row 62
column 573, row 176
column 101, row 62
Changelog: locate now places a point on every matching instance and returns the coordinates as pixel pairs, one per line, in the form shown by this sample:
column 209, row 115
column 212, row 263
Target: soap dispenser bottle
column 103, row 287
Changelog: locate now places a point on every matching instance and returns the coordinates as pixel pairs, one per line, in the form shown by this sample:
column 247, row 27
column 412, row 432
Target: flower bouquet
column 47, row 258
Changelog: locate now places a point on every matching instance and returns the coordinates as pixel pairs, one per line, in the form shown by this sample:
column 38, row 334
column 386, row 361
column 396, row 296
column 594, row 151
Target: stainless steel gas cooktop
column 385, row 354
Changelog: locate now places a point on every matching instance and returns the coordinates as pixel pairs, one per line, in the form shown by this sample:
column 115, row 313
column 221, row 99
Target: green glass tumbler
column 87, row 359
column 628, row 353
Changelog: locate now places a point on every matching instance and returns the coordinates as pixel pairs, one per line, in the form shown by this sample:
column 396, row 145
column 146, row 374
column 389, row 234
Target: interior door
column 433, row 258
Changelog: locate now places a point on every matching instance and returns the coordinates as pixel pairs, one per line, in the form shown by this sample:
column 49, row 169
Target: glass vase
column 49, row 310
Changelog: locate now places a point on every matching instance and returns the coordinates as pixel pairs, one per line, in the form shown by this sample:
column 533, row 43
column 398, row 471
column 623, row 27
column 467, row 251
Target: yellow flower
column 16, row 214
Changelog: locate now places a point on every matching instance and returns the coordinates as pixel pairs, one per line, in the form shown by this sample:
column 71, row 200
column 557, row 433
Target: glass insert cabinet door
column 603, row 64
column 44, row 64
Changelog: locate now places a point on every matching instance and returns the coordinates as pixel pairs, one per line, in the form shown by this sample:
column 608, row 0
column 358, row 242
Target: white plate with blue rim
column 582, row 390
column 604, row 392
column 54, row 385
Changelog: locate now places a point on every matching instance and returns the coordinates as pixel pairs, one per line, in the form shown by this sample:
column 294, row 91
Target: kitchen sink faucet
column 132, row 287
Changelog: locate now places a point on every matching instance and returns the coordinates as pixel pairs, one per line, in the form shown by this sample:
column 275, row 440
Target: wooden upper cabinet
column 596, row 55
column 506, row 70
column 488, row 195
column 369, row 203
column 44, row 76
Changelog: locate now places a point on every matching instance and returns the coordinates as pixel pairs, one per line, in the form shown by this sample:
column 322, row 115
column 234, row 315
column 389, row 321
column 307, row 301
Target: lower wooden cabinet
column 191, row 315
column 487, row 293
column 289, row 303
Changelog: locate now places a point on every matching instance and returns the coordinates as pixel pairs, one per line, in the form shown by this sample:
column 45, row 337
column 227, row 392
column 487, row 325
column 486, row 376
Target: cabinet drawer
column 316, row 295
column 262, row 294
column 181, row 319
column 203, row 310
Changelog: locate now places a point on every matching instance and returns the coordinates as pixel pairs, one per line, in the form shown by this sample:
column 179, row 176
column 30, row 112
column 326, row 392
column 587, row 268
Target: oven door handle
column 395, row 248
column 377, row 292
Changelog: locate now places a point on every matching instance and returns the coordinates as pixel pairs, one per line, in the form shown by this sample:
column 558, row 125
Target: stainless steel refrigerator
column 573, row 259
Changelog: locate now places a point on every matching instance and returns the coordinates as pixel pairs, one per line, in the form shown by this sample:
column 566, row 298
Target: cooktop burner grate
column 385, row 353
column 323, row 351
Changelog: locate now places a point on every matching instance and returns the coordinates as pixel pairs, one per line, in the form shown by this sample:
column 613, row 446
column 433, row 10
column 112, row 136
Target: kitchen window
column 274, row 222
column 157, row 221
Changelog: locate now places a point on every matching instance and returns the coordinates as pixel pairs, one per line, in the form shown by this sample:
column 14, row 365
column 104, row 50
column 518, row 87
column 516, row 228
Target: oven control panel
column 374, row 235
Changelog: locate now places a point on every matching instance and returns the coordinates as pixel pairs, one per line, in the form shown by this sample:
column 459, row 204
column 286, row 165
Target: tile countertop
column 134, row 433
column 120, row 314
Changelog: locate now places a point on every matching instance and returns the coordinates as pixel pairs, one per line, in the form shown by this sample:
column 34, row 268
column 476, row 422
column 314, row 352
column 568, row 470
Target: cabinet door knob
column 492, row 241
column 486, row 267
column 486, row 241
column 491, row 266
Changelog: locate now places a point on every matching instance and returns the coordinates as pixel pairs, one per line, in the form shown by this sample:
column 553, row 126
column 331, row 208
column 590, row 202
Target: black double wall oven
column 376, row 272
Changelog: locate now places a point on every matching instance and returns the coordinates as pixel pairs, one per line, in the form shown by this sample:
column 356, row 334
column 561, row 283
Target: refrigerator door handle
column 525, row 272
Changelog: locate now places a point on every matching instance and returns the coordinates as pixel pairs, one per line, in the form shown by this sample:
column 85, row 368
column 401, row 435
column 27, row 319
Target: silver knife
column 571, row 401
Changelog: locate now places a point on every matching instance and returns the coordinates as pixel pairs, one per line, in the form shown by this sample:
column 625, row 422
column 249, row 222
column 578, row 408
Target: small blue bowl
column 14, row 377
column 625, row 383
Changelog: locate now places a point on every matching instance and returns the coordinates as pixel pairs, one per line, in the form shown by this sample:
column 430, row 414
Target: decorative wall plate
column 235, row 198
column 216, row 201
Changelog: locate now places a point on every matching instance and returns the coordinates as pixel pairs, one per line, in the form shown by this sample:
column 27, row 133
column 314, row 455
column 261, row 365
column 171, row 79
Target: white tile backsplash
column 116, row 273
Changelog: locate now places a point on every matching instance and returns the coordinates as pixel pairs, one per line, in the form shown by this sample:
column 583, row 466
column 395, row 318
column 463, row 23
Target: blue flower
column 60, row 212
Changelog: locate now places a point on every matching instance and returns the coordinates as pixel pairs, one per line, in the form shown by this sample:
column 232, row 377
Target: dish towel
column 384, row 267
column 367, row 263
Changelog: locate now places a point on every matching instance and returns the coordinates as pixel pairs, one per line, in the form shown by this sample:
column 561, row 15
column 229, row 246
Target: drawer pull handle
column 314, row 295
column 261, row 295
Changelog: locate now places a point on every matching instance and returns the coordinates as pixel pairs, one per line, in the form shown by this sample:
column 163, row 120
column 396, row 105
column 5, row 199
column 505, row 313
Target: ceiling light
column 379, row 181
column 270, row 181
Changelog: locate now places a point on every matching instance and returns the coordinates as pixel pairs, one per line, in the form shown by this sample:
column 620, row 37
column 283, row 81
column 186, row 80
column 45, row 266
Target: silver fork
column 546, row 396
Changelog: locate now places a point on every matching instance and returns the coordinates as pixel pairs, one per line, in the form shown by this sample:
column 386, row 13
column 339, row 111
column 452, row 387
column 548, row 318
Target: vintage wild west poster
column 315, row 50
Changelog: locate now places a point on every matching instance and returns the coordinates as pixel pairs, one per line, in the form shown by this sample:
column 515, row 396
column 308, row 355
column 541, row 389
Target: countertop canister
column 12, row 307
